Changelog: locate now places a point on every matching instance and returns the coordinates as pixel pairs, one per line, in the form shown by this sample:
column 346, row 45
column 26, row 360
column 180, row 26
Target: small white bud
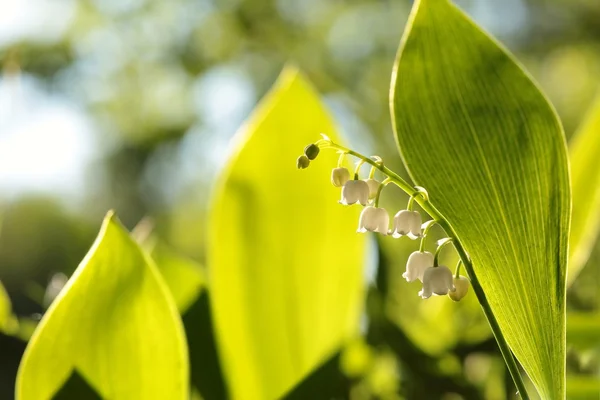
column 373, row 188
column 416, row 265
column 374, row 219
column 438, row 281
column 339, row 177
column 355, row 191
column 462, row 287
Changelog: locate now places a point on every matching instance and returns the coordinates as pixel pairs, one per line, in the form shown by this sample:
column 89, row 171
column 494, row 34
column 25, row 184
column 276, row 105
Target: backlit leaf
column 183, row 276
column 114, row 324
column 477, row 133
column 284, row 258
column 584, row 153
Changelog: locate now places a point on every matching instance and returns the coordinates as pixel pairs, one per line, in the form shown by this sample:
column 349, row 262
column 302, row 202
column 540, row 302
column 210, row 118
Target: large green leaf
column 284, row 259
column 114, row 324
column 477, row 133
column 584, row 152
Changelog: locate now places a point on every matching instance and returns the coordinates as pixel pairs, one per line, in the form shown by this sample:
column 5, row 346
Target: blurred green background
column 131, row 104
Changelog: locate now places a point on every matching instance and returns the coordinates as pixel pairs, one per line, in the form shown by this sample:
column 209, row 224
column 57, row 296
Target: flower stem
column 441, row 244
column 379, row 189
column 458, row 265
column 341, row 159
column 430, row 209
column 426, row 227
column 357, row 169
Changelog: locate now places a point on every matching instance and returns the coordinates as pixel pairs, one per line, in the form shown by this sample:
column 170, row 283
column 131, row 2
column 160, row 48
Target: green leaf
column 477, row 133
column 285, row 263
column 584, row 152
column 183, row 276
column 114, row 324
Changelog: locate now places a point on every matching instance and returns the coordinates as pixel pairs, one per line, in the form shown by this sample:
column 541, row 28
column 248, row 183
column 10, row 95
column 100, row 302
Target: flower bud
column 339, row 177
column 462, row 287
column 311, row 151
column 303, row 162
column 373, row 188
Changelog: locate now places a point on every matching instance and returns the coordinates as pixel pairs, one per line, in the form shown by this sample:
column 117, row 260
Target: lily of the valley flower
column 416, row 265
column 373, row 187
column 374, row 219
column 355, row 191
column 407, row 223
column 462, row 287
column 339, row 177
column 438, row 281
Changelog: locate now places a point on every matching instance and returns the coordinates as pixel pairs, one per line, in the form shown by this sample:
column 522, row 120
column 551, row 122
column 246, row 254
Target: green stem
column 357, row 169
column 341, row 159
column 430, row 209
column 379, row 189
column 436, row 256
column 428, row 226
column 373, row 169
column 457, row 272
column 411, row 200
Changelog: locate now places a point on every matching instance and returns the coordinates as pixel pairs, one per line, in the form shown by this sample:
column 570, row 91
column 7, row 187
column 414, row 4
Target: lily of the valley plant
column 437, row 279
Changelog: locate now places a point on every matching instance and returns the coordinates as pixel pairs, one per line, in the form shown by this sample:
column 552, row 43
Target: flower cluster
column 421, row 265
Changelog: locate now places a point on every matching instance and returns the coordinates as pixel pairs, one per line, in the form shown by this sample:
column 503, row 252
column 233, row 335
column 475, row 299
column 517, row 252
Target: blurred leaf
column 186, row 282
column 5, row 309
column 115, row 323
column 583, row 329
column 324, row 382
column 206, row 372
column 477, row 133
column 584, row 152
column 583, row 388
column 183, row 276
column 284, row 258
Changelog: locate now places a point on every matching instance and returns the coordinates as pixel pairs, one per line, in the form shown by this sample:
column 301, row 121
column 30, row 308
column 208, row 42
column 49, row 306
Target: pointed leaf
column 584, row 152
column 183, row 276
column 284, row 259
column 114, row 324
column 477, row 133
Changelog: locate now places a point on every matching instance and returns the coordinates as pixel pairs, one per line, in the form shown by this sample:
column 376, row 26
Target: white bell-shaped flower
column 462, row 287
column 415, row 226
column 373, row 187
column 438, row 281
column 355, row 191
column 339, row 176
column 374, row 219
column 416, row 265
column 402, row 221
column 407, row 223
